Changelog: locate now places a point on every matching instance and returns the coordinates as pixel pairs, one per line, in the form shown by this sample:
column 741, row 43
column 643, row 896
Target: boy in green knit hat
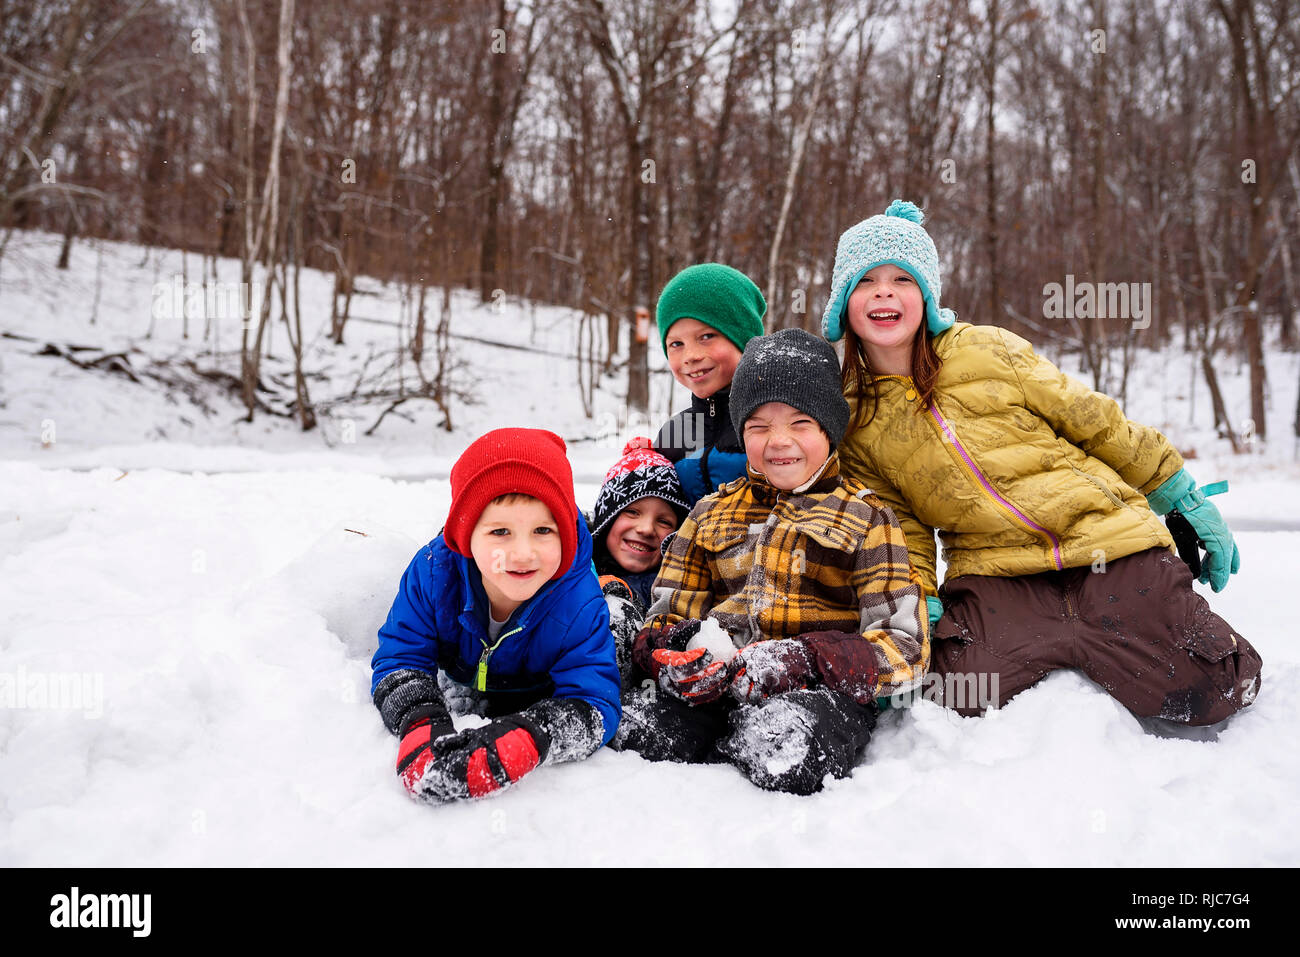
column 706, row 315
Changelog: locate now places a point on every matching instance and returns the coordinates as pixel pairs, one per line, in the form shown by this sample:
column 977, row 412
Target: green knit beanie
column 716, row 295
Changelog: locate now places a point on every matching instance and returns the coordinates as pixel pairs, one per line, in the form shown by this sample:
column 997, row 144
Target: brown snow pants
column 1137, row 628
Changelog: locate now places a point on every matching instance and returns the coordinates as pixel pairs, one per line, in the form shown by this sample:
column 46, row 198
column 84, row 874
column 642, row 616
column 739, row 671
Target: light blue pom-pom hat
column 896, row 237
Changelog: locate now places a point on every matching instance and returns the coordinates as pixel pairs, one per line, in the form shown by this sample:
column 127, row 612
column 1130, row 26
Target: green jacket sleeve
column 1141, row 455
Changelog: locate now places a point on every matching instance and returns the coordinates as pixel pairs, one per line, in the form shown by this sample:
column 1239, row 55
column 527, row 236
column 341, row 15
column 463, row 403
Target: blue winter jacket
column 558, row 644
column 702, row 444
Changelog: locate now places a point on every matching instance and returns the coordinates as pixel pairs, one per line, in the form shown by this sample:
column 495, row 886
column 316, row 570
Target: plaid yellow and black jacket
column 768, row 564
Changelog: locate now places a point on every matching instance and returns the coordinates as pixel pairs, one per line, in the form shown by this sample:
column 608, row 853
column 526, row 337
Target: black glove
column 625, row 618
column 1186, row 540
column 404, row 697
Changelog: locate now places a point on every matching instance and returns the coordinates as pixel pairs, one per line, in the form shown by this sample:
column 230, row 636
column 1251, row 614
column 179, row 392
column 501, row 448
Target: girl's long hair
column 858, row 380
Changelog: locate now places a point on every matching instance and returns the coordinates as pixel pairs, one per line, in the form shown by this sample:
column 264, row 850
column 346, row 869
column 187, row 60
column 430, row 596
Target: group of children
column 743, row 592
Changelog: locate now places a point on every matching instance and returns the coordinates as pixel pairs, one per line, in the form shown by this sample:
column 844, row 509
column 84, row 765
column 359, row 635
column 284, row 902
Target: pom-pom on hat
column 640, row 473
column 513, row 461
column 896, row 237
column 795, row 367
column 717, row 296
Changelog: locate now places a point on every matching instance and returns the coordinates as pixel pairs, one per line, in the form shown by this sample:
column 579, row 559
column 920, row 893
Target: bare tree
column 502, row 114
column 1270, row 138
column 636, row 60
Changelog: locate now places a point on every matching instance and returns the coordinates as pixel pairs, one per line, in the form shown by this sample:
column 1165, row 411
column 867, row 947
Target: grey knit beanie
column 794, row 367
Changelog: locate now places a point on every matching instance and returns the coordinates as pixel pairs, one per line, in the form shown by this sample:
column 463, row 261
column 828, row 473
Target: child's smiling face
column 517, row 549
column 637, row 532
column 786, row 445
column 885, row 311
column 702, row 358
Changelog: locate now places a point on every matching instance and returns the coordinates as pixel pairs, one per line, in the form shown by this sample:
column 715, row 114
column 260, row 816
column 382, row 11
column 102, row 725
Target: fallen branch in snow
column 225, row 379
column 379, row 389
column 184, row 375
column 393, row 407
column 109, row 362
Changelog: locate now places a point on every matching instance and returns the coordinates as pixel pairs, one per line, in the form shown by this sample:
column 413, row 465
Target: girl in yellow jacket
column 1044, row 496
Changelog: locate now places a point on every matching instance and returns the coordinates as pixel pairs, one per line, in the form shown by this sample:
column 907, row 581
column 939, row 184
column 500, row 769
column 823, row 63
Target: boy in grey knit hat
column 787, row 406
column 807, row 574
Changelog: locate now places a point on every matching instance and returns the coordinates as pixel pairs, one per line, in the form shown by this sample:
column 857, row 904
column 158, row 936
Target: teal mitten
column 935, row 608
column 1179, row 496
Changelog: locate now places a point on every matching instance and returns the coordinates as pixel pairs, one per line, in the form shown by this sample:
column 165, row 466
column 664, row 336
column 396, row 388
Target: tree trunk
column 704, row 230
column 306, row 414
column 774, row 314
column 990, row 169
column 1259, row 117
column 495, row 162
column 417, row 340
column 69, row 231
column 268, row 224
column 638, row 369
column 1221, row 420
column 1288, row 298
column 55, row 100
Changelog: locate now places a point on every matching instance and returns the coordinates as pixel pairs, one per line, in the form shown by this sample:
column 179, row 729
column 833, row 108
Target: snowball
column 715, row 638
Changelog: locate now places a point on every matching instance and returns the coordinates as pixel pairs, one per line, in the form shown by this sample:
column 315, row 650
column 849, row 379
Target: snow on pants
column 788, row 743
column 1138, row 629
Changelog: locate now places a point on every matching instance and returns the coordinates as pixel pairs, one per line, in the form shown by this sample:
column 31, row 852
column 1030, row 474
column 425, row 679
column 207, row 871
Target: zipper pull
column 480, row 679
column 712, row 410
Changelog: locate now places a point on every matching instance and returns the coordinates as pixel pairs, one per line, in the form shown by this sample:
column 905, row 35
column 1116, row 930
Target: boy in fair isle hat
column 503, row 603
column 807, row 574
column 640, row 504
column 706, row 316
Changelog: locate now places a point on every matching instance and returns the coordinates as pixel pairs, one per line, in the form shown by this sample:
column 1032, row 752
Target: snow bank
column 230, row 618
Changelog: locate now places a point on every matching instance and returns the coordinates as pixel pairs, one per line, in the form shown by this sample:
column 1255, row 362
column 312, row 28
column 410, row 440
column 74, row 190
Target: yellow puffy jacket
column 1019, row 468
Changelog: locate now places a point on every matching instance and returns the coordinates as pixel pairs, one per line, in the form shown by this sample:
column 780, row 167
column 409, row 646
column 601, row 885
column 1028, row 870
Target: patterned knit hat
column 898, row 238
column 640, row 473
column 523, row 461
column 794, row 367
column 717, row 296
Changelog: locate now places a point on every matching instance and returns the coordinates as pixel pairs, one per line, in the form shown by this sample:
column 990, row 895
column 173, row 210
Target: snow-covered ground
column 189, row 615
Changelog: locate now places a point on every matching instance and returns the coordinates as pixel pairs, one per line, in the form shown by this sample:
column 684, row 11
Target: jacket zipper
column 480, row 677
column 988, row 486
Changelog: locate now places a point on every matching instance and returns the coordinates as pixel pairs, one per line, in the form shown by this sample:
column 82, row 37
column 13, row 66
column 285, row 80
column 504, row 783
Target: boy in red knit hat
column 502, row 607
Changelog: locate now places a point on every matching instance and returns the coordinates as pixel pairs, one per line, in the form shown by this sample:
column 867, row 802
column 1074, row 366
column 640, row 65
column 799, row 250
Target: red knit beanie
column 505, row 461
